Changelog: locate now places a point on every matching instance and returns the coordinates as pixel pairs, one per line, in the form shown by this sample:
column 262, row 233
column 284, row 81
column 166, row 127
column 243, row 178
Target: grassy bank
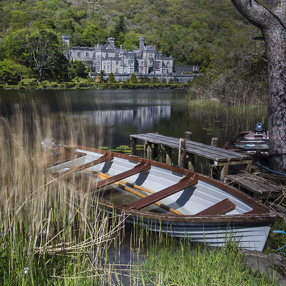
column 183, row 263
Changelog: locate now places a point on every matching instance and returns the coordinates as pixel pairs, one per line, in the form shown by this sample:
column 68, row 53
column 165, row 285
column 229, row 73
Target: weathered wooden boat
column 168, row 199
column 255, row 143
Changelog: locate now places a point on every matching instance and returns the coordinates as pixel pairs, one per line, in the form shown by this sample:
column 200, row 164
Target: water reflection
column 141, row 117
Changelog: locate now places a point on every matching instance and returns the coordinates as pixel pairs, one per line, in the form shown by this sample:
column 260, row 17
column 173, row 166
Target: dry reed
column 52, row 218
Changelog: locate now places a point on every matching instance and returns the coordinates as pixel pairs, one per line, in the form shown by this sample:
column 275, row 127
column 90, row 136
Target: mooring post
column 214, row 141
column 133, row 146
column 168, row 151
column 188, row 135
column 182, row 152
column 149, row 151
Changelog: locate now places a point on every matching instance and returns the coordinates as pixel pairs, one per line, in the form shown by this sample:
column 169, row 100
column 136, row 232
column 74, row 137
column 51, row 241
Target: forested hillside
column 210, row 33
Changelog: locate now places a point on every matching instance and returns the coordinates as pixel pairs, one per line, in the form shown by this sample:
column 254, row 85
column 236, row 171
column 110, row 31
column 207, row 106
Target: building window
column 87, row 54
column 117, row 63
column 78, row 54
column 94, row 55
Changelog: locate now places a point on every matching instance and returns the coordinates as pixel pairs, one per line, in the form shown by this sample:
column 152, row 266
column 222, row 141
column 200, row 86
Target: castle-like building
column 145, row 60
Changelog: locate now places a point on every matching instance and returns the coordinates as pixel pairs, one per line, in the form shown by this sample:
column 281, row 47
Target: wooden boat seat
column 219, row 208
column 106, row 157
column 184, row 183
column 142, row 166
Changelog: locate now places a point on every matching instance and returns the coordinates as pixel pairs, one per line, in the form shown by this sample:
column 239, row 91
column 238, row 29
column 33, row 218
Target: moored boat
column 255, row 142
column 168, row 199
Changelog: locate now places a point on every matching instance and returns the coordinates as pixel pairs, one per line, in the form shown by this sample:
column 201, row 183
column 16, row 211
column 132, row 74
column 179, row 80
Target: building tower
column 141, row 43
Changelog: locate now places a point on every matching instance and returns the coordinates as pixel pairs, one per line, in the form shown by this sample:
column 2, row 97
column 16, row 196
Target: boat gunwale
column 260, row 212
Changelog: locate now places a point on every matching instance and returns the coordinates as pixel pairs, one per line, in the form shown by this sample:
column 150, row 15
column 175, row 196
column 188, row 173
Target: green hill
column 210, row 33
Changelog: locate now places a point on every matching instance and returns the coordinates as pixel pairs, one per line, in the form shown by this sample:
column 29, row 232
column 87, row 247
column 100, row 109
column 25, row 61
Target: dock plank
column 210, row 152
column 255, row 185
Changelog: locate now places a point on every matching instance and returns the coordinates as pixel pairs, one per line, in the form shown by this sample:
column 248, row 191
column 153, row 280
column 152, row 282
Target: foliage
column 185, row 264
column 80, row 70
column 133, row 79
column 45, row 53
column 10, row 72
column 111, row 78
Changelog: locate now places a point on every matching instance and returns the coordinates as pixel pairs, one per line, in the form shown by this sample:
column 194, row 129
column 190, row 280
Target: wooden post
column 168, row 151
column 188, row 135
column 155, row 151
column 224, row 172
column 133, row 146
column 149, row 151
column 191, row 161
column 182, row 152
column 214, row 141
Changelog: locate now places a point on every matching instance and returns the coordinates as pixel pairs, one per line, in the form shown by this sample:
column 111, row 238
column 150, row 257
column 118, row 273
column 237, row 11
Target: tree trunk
column 275, row 41
column 272, row 25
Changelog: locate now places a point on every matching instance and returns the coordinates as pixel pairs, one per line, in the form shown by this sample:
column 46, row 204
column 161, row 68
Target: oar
column 128, row 189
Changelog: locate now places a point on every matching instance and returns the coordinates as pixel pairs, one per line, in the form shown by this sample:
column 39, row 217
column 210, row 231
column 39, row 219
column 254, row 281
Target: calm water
column 110, row 116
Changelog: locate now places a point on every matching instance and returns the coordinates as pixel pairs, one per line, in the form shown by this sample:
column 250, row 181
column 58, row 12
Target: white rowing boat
column 168, row 199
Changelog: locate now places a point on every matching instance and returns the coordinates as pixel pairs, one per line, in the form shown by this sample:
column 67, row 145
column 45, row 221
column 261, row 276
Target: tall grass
column 48, row 234
column 176, row 262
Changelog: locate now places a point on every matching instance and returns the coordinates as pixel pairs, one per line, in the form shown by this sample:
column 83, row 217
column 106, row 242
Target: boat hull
column 249, row 142
column 250, row 236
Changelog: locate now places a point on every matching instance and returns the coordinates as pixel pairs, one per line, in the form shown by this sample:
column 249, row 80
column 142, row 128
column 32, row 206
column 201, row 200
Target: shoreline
column 102, row 86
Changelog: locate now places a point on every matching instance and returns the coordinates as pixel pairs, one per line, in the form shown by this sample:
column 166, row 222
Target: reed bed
column 49, row 234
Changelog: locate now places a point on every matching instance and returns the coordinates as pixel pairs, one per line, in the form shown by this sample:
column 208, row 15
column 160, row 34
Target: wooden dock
column 256, row 186
column 217, row 156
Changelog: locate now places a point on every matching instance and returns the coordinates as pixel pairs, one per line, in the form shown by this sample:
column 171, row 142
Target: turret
column 141, row 42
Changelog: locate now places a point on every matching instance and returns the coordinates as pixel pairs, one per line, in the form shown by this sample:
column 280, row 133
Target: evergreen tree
column 111, row 78
column 133, row 78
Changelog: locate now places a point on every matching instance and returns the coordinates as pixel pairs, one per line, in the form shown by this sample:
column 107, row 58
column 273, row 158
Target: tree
column 272, row 23
column 102, row 75
column 111, row 78
column 10, row 72
column 80, row 70
column 133, row 78
column 44, row 52
column 119, row 31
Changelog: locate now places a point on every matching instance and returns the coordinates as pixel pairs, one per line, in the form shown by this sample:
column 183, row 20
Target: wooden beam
column 106, row 157
column 141, row 167
column 184, row 183
column 219, row 208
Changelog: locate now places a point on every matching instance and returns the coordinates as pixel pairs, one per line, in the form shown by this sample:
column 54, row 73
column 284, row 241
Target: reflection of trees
column 205, row 124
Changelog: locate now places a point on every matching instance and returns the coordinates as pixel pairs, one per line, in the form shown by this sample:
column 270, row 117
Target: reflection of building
column 142, row 117
column 145, row 60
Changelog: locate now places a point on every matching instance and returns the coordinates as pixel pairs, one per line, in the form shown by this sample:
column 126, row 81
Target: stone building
column 145, row 60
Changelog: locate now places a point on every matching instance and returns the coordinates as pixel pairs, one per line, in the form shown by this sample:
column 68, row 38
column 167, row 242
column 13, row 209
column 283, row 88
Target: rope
column 271, row 170
column 282, row 232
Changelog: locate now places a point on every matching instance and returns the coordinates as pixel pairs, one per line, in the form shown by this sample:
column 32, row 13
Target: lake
column 108, row 117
